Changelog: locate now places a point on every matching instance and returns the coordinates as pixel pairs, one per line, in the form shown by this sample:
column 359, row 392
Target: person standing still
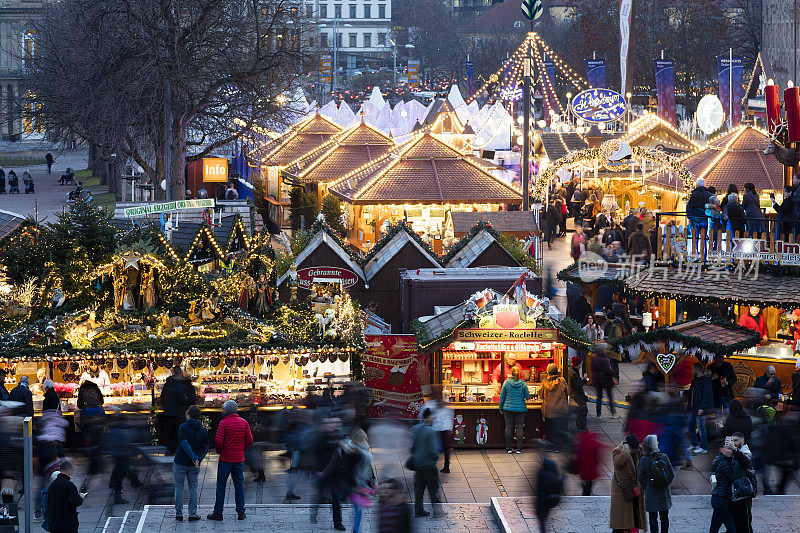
column 232, row 439
column 722, row 479
column 626, row 514
column 701, row 404
column 576, row 392
column 192, row 448
column 424, row 456
column 603, row 379
column 555, row 407
column 63, row 501
column 49, row 160
column 513, row 408
column 656, row 475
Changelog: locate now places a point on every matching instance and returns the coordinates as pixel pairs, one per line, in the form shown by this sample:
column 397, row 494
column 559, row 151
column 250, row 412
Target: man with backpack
column 656, row 475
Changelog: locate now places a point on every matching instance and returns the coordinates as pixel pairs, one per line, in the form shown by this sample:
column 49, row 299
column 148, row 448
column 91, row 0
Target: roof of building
column 321, row 238
column 510, row 221
column 650, row 130
column 557, row 145
column 391, row 249
column 224, row 231
column 737, row 157
column 342, row 154
column 425, row 170
column 765, row 289
column 762, row 71
column 469, row 252
column 9, row 222
column 504, row 16
column 302, row 138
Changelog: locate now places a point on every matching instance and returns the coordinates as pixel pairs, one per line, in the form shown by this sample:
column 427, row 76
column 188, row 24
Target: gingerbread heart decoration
column 666, row 361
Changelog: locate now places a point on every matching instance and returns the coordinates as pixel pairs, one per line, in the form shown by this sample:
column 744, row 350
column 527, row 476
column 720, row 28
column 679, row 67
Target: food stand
column 473, row 347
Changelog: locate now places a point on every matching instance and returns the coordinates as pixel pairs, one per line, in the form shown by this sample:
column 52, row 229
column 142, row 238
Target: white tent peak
column 455, row 96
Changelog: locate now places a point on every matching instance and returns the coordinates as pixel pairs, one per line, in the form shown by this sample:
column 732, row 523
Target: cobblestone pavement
column 689, row 514
column 285, row 518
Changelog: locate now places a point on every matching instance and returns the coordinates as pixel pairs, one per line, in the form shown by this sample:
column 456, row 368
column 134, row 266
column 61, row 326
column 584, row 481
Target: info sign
column 598, row 105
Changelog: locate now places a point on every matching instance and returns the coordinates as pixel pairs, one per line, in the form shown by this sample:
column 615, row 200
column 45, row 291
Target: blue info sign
column 598, row 105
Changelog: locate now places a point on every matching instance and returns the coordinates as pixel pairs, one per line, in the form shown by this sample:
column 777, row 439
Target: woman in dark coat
column 736, row 214
column 657, row 500
column 51, row 400
column 626, row 514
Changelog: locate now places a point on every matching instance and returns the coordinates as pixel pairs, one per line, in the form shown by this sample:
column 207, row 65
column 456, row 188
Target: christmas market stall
column 761, row 297
column 475, row 346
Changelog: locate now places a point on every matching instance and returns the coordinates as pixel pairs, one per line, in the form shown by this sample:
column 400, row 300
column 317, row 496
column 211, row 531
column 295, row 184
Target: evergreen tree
column 332, row 211
column 83, row 226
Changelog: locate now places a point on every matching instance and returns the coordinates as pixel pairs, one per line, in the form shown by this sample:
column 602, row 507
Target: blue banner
column 730, row 87
column 665, row 89
column 596, row 73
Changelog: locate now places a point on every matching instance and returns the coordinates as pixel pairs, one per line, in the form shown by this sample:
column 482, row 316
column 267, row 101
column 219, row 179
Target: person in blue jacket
column 193, row 446
column 512, row 405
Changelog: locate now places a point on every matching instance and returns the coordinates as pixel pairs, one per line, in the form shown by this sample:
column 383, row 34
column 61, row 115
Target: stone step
column 113, row 524
column 131, row 522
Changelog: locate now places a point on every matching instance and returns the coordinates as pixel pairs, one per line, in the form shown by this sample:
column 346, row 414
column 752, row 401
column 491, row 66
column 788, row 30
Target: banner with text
column 394, row 372
column 625, row 12
column 730, row 87
column 178, row 205
column 413, row 73
column 470, row 78
column 665, row 89
column 596, row 73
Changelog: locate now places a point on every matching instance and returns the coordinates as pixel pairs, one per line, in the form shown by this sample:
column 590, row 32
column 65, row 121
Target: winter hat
column 552, row 369
column 632, row 441
column 575, row 361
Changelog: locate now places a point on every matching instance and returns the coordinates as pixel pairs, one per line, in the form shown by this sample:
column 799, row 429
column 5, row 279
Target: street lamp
column 335, row 77
column 394, row 55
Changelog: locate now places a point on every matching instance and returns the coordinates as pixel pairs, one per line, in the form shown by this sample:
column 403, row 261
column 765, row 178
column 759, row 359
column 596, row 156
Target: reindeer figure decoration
column 788, row 157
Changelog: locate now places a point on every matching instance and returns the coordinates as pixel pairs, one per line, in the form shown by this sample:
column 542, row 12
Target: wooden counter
column 475, row 419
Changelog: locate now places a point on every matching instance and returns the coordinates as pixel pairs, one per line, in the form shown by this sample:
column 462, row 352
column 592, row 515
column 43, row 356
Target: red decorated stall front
column 394, row 371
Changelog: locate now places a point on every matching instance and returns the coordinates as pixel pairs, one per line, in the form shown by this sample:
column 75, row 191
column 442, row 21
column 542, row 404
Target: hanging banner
column 177, row 205
column 470, row 78
column 413, row 73
column 625, row 13
column 394, row 372
column 665, row 89
column 730, row 87
column 596, row 73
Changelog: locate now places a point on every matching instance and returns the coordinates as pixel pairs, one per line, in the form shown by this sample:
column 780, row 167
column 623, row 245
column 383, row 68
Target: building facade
column 779, row 34
column 17, row 50
column 357, row 32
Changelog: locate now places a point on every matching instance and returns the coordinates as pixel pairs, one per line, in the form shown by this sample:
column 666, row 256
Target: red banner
column 395, row 371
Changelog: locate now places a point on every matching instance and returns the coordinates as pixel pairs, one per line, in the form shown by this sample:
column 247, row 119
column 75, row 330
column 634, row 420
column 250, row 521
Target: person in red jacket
column 232, row 439
column 586, row 460
column 755, row 320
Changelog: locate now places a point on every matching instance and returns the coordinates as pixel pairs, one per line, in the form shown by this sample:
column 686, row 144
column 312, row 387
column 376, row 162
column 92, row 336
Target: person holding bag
column 745, row 485
column 627, row 502
column 656, row 475
column 721, row 481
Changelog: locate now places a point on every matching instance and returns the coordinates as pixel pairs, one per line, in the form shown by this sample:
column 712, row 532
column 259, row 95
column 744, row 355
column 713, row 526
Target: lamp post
column 394, row 56
column 335, row 76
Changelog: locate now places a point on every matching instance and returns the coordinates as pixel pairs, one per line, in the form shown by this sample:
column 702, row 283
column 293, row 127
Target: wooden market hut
column 302, row 138
column 9, row 222
column 479, row 248
column 520, row 224
column 420, row 182
column 194, row 243
column 230, row 234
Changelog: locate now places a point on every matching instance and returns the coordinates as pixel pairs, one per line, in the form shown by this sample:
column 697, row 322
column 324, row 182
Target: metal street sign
column 178, row 205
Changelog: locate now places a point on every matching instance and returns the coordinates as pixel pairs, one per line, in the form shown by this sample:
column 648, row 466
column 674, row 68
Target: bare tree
column 745, row 29
column 150, row 78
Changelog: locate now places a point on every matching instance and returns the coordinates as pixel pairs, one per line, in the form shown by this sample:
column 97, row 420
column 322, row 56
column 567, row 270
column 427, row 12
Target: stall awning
column 712, row 337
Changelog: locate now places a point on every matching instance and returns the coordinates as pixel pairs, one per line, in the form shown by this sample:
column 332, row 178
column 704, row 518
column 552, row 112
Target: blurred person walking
column 555, row 407
column 63, row 501
column 627, row 501
column 52, row 435
column 723, row 379
column 442, row 424
column 193, row 446
column 327, row 445
column 394, row 511
column 783, row 448
column 512, row 406
column 656, row 476
column 4, row 395
column 586, row 460
column 424, row 456
column 177, row 396
column 91, row 420
column 738, row 421
column 549, row 484
column 117, row 442
column 233, row 437
column 22, row 393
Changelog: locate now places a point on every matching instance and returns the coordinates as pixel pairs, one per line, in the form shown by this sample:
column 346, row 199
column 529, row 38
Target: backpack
column 46, row 508
column 660, row 472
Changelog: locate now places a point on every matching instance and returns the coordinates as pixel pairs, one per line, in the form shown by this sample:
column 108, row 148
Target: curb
column 499, row 516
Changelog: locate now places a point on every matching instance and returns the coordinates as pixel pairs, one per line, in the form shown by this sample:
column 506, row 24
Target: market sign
column 511, row 94
column 785, row 253
column 215, row 170
column 598, row 105
column 392, row 369
column 510, row 347
column 521, row 334
column 307, row 276
column 166, row 207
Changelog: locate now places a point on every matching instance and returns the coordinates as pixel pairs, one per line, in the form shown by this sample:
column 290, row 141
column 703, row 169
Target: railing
column 769, row 240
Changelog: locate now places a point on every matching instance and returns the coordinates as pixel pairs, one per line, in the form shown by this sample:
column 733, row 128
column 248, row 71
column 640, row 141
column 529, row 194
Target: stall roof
column 610, row 273
column 426, row 170
column 737, row 157
column 711, row 336
column 652, row 130
column 9, row 222
column 342, row 154
column 303, row 137
column 226, row 231
column 321, row 238
column 390, row 249
column 452, row 274
column 502, row 221
column 468, row 253
column 558, row 145
column 756, row 288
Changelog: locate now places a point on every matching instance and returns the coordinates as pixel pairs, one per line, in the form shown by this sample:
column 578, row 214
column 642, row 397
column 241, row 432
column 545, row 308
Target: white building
column 780, row 39
column 363, row 28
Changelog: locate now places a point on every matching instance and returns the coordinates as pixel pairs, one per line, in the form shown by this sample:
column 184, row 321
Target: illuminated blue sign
column 598, row 105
